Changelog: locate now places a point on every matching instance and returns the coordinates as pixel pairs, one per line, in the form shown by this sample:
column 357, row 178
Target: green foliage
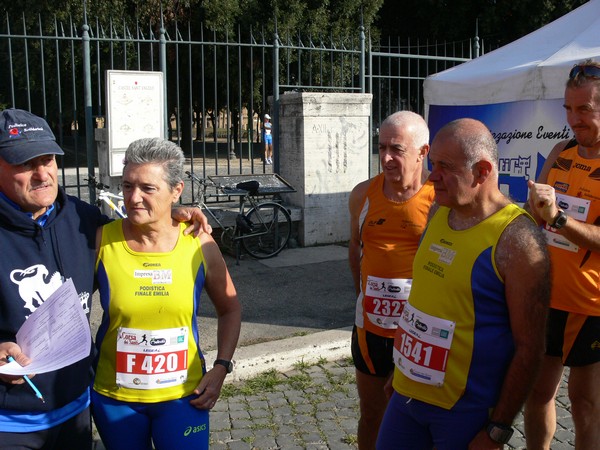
column 221, row 15
column 232, row 80
column 321, row 19
column 501, row 21
column 350, row 439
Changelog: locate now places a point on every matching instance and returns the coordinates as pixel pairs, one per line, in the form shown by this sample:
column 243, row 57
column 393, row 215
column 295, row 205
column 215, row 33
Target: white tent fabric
column 534, row 67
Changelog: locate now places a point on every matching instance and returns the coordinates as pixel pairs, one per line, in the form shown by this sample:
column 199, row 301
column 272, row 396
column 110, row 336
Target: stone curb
column 281, row 355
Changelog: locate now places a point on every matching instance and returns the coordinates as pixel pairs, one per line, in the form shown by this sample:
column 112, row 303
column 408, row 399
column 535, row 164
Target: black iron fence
column 218, row 86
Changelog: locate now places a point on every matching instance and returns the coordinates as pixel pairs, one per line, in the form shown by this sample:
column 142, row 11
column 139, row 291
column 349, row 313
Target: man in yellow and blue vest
column 471, row 336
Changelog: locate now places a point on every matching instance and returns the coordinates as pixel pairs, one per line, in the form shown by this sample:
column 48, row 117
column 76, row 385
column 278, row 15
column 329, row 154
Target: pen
column 38, row 394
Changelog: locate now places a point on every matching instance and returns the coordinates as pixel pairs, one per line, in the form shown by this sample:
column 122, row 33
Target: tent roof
column 531, row 68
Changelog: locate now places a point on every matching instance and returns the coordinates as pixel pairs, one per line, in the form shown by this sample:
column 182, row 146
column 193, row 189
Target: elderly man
column 566, row 200
column 388, row 214
column 471, row 336
column 46, row 237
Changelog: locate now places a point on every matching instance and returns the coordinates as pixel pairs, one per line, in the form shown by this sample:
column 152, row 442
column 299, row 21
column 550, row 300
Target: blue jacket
column 33, row 260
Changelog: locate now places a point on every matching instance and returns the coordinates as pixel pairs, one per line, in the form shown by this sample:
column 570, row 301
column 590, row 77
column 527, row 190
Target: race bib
column 152, row 359
column 384, row 300
column 422, row 345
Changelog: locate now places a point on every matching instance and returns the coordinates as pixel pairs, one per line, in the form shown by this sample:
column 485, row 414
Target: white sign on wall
column 135, row 110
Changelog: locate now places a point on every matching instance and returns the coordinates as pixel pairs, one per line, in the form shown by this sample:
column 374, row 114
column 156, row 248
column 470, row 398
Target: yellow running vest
column 148, row 338
column 454, row 342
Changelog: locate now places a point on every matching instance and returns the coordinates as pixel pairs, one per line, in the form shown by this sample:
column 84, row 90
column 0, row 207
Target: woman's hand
column 209, row 389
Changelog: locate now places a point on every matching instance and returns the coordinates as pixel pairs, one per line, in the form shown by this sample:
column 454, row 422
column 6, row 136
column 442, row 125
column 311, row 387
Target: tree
column 502, row 21
column 301, row 25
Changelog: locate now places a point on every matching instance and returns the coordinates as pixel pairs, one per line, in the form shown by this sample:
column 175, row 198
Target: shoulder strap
column 572, row 143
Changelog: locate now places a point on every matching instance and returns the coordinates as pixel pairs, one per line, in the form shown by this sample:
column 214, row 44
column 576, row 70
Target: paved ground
column 316, row 407
column 293, row 387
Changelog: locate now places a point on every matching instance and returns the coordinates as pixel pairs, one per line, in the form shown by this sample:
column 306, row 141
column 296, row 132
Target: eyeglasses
column 584, row 70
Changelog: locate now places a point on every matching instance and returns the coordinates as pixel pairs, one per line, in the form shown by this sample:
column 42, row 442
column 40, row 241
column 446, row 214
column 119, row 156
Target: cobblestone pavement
column 311, row 407
column 316, row 407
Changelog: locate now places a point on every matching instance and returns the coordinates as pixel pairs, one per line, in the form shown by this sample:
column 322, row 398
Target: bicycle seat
column 250, row 186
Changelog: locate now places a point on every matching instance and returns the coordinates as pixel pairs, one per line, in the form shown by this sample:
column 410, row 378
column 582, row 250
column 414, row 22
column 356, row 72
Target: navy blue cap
column 24, row 136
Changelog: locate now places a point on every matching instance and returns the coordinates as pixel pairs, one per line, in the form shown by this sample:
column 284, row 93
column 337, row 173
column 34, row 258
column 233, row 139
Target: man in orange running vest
column 566, row 200
column 388, row 214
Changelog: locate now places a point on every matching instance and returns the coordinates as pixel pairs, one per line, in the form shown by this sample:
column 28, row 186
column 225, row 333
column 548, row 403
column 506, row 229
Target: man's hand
column 483, row 442
column 542, row 201
column 196, row 216
column 11, row 349
column 388, row 389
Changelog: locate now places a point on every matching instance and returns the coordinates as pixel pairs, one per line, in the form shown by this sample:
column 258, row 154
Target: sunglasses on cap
column 585, row 70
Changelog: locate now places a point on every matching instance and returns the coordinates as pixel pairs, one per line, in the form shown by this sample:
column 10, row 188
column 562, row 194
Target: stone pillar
column 323, row 154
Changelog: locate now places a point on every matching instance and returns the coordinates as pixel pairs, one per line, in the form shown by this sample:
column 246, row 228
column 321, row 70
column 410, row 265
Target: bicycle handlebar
column 97, row 184
column 203, row 181
column 249, row 187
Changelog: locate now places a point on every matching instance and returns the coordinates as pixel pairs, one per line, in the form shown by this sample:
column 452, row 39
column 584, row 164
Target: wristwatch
column 560, row 220
column 499, row 433
column 227, row 364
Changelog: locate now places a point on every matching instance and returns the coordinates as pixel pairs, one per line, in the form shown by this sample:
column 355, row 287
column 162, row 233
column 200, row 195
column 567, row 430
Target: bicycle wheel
column 227, row 238
column 271, row 230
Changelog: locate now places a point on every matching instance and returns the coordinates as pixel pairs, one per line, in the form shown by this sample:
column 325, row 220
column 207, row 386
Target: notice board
column 135, row 110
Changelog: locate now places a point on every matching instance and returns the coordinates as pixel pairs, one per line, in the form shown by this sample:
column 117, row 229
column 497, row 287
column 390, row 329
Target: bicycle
column 107, row 197
column 262, row 228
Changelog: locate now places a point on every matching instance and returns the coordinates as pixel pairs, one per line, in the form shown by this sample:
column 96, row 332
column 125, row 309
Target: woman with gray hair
column 152, row 386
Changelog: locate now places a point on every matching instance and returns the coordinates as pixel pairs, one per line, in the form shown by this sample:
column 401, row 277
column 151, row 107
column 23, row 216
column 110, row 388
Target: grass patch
column 265, row 382
column 347, row 361
column 300, row 381
column 322, row 361
column 302, row 366
column 300, row 333
column 299, row 392
column 263, row 426
column 350, row 439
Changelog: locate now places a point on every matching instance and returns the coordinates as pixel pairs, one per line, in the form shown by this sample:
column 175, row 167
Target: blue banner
column 525, row 133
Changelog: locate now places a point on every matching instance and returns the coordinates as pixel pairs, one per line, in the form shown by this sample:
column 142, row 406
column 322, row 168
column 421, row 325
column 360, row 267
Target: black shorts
column 372, row 354
column 575, row 338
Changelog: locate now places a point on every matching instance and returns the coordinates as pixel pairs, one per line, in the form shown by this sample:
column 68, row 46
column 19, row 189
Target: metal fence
column 218, row 86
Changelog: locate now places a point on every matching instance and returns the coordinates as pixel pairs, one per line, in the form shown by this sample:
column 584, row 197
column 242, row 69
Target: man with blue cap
column 46, row 237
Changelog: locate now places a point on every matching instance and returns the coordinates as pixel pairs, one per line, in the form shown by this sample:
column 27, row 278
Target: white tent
column 517, row 91
column 534, row 67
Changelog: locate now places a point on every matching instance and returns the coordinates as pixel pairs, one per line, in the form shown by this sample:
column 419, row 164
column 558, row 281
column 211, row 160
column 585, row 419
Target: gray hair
column 409, row 119
column 158, row 151
column 475, row 140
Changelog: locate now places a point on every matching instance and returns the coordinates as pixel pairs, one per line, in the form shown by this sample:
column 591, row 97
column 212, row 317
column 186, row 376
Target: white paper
column 55, row 335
